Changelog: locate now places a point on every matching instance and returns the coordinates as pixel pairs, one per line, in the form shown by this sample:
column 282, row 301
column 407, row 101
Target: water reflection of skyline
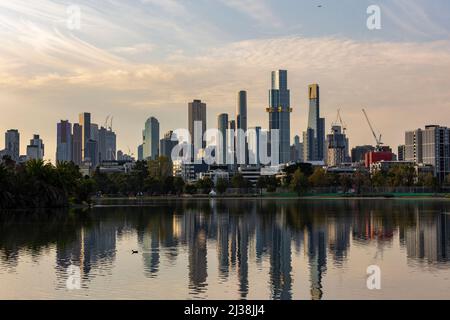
column 276, row 232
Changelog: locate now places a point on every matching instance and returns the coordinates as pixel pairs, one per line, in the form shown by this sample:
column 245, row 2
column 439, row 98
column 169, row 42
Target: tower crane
column 377, row 138
column 106, row 122
column 340, row 121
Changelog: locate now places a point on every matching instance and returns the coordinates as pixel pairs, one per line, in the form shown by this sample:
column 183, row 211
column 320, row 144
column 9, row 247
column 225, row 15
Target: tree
column 379, row 179
column 221, row 185
column 238, row 181
column 190, row 188
column 205, row 185
column 346, row 182
column 299, row 182
column 319, row 178
column 178, row 185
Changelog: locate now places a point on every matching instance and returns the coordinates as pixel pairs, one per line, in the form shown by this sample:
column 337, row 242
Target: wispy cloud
column 412, row 17
column 258, row 10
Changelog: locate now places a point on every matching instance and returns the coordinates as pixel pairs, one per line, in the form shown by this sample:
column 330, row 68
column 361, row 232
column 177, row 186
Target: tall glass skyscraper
column 85, row 123
column 280, row 112
column 64, row 142
column 222, row 143
column 151, row 139
column 314, row 137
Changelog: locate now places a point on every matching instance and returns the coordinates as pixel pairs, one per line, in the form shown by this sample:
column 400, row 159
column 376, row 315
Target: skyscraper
column 64, row 141
column 151, row 139
column 35, row 150
column 197, row 113
column 222, row 143
column 167, row 144
column 77, row 144
column 280, row 112
column 140, row 152
column 92, row 150
column 12, row 144
column 314, row 137
column 110, row 145
column 85, row 123
column 241, row 111
column 337, row 146
column 254, row 136
column 430, row 146
column 241, row 124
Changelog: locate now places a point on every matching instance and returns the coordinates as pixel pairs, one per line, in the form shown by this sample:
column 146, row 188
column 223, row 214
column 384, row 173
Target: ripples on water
column 247, row 249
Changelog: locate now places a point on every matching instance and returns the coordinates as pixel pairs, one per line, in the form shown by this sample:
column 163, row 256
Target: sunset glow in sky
column 141, row 58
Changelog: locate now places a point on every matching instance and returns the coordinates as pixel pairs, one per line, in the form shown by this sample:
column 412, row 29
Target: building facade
column 314, row 137
column 279, row 111
column 197, row 113
column 336, row 147
column 151, row 139
column 35, row 150
column 64, row 141
column 430, row 146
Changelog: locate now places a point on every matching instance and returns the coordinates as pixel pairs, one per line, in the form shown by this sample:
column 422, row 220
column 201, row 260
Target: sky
column 136, row 59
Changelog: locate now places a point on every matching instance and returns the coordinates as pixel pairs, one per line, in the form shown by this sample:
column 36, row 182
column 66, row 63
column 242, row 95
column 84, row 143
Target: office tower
column 197, row 113
column 92, row 150
column 241, row 124
column 254, row 136
column 35, row 150
column 222, row 143
column 167, row 144
column 140, row 152
column 337, row 144
column 77, row 144
column 401, row 153
column 110, row 145
column 241, row 111
column 359, row 153
column 64, row 141
column 95, row 137
column 102, row 144
column 280, row 112
column 85, row 123
column 151, row 139
column 297, row 150
column 106, row 144
column 12, row 144
column 430, row 146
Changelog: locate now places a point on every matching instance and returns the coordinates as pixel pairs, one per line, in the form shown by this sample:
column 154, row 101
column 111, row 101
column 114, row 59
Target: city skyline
column 127, row 70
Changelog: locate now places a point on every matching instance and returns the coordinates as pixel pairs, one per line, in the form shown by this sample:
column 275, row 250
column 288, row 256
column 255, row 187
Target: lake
column 228, row 249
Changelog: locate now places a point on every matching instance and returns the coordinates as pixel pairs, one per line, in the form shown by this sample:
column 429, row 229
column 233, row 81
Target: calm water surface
column 225, row 249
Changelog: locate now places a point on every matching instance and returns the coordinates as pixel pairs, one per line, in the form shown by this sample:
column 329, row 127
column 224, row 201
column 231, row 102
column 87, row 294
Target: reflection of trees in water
column 322, row 228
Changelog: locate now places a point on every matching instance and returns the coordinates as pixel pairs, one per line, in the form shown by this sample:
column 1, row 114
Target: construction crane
column 339, row 121
column 106, row 122
column 377, row 138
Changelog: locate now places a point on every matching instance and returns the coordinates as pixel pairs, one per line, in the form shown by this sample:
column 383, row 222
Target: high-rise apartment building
column 280, row 113
column 430, row 146
column 337, row 146
column 254, row 140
